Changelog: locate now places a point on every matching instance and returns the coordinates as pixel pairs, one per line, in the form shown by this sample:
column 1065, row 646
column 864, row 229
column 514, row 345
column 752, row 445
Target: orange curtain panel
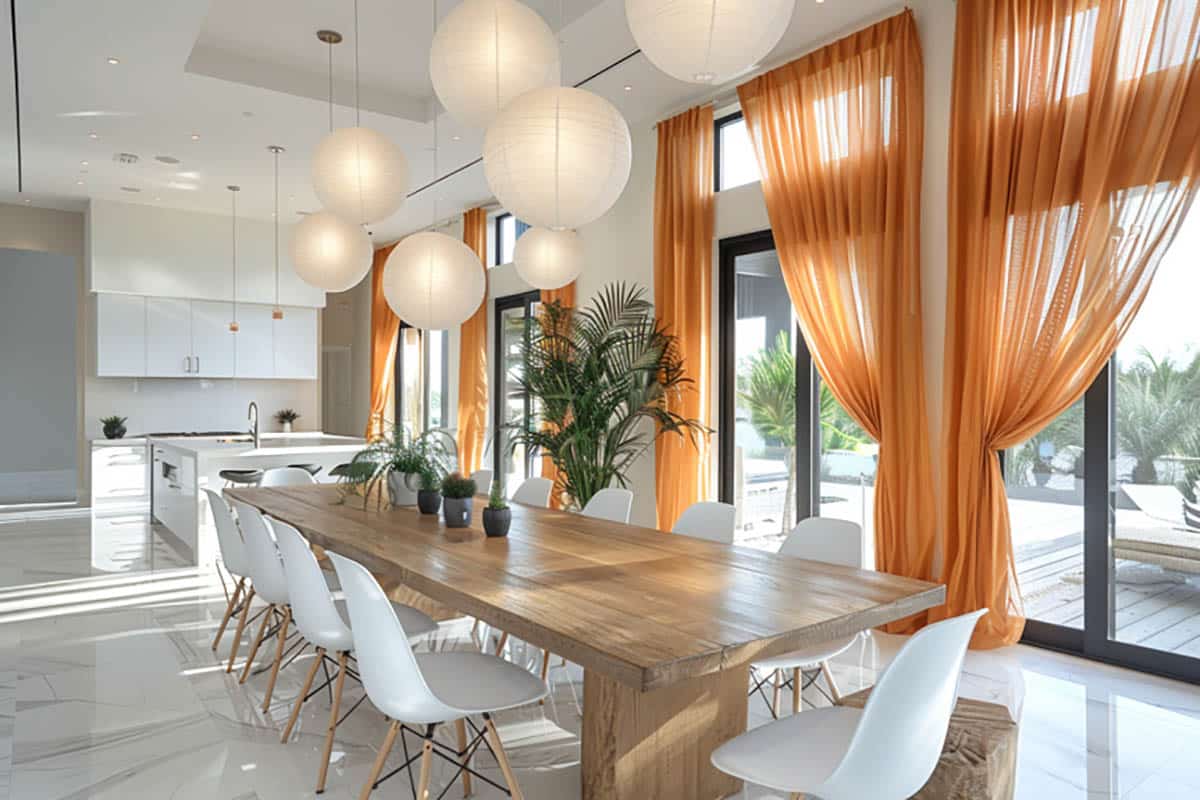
column 683, row 242
column 1074, row 151
column 566, row 296
column 838, row 135
column 384, row 329
column 472, row 359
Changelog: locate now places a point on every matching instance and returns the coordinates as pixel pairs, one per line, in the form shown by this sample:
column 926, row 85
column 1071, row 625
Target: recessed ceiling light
column 114, row 60
column 158, row 199
column 93, row 135
column 195, row 137
column 456, row 137
column 628, row 88
column 79, row 183
column 83, row 163
column 27, row 200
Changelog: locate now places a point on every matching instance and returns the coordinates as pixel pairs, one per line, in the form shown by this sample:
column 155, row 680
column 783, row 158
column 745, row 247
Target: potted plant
column 429, row 496
column 457, row 500
column 285, row 417
column 497, row 517
column 399, row 456
column 404, row 473
column 114, row 427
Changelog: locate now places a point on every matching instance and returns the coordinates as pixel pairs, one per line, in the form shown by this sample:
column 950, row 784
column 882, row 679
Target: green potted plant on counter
column 114, row 427
column 457, row 500
column 497, row 517
column 285, row 417
column 429, row 496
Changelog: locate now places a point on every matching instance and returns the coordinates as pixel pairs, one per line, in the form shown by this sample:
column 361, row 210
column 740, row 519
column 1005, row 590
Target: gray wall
column 38, row 305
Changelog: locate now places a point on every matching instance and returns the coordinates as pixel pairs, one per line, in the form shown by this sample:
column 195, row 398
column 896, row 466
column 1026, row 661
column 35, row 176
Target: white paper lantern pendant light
column 548, row 259
column 485, row 53
column 330, row 253
column 707, row 41
column 358, row 173
column 430, row 280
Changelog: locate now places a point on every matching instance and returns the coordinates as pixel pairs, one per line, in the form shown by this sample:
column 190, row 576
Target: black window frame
column 527, row 300
column 498, row 236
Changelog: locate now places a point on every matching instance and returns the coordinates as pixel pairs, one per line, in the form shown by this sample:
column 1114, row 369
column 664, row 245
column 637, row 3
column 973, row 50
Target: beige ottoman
column 979, row 760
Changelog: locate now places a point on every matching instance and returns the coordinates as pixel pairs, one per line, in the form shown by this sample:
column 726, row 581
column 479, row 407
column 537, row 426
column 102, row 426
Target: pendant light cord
column 357, row 108
column 276, row 153
column 233, row 228
column 329, row 45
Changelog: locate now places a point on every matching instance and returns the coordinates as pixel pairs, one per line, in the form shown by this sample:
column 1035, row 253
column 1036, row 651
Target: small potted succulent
column 114, row 427
column 285, row 417
column 457, row 499
column 429, row 496
column 497, row 516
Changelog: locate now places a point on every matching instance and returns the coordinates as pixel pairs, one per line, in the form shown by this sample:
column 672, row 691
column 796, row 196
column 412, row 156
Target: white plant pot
column 287, row 427
column 401, row 489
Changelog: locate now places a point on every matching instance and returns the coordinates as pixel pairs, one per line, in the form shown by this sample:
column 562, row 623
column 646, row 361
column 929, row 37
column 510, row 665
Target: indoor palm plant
column 601, row 377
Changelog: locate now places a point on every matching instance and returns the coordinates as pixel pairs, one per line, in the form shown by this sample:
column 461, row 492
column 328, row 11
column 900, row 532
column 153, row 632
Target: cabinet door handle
column 197, row 363
column 187, row 363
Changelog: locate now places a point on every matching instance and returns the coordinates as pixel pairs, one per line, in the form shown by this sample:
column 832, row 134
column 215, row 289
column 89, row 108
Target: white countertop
column 270, row 444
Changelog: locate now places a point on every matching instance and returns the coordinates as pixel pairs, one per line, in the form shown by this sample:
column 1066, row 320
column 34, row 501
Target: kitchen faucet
column 252, row 415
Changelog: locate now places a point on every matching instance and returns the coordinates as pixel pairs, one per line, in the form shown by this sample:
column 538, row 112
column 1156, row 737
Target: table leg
column 658, row 744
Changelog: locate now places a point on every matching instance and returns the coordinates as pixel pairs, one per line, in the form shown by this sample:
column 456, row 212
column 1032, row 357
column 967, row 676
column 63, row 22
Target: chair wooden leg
column 241, row 626
column 380, row 759
column 778, row 690
column 797, row 682
column 233, row 601
column 426, row 769
column 545, row 671
column 502, row 758
column 258, row 640
column 834, row 692
column 334, row 708
column 503, row 641
column 282, row 639
column 308, row 682
column 460, row 728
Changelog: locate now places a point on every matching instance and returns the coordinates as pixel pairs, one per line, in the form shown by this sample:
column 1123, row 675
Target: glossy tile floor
column 108, row 689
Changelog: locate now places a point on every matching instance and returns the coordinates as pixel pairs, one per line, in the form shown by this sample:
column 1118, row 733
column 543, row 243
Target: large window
column 787, row 448
column 507, row 229
column 513, row 407
column 422, row 390
column 736, row 163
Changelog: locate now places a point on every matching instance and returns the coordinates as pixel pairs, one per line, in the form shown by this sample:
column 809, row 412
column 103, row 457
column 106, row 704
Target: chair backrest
column 534, row 492
column 312, row 606
column 287, row 476
column 613, row 505
column 903, row 726
column 834, row 541
column 389, row 670
column 707, row 520
column 483, row 480
column 229, row 538
column 265, row 568
column 1191, row 514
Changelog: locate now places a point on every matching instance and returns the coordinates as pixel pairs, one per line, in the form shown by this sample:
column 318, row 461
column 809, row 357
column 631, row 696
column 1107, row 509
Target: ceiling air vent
column 125, row 158
column 166, row 159
column 130, row 189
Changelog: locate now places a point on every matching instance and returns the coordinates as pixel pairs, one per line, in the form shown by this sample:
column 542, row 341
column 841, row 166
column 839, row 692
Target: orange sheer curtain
column 384, row 327
column 838, row 135
column 566, row 296
column 1074, row 148
column 683, row 242
column 472, row 359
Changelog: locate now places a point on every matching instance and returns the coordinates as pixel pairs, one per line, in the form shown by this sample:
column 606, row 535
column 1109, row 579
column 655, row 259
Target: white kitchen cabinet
column 296, row 344
column 168, row 337
column 255, row 342
column 120, row 474
column 120, row 335
column 212, row 342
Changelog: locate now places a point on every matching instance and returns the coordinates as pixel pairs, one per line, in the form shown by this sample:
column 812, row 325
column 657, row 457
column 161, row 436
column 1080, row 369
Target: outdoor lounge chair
column 1175, row 548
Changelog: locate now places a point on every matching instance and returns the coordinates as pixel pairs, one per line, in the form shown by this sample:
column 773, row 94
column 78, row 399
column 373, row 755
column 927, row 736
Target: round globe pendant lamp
column 433, row 281
column 548, row 259
column 330, row 253
column 707, row 41
column 486, row 53
column 558, row 157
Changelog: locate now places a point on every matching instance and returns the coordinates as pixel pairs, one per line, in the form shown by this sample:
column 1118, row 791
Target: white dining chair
column 534, row 492
column 266, row 571
column 483, row 480
column 237, row 564
column 322, row 623
column 833, row 541
column 707, row 520
column 429, row 689
column 884, row 751
column 287, row 476
column 613, row 505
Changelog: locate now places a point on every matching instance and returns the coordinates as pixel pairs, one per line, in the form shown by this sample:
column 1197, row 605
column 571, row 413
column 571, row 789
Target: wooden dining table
column 664, row 626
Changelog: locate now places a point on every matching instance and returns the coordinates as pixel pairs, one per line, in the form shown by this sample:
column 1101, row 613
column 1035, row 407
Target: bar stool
column 311, row 469
column 241, row 477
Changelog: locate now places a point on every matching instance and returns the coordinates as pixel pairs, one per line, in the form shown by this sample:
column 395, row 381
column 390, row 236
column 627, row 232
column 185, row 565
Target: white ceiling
column 242, row 75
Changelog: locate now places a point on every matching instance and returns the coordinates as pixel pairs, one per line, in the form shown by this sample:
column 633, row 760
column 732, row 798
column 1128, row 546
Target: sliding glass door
column 513, row 407
column 421, row 397
column 787, row 449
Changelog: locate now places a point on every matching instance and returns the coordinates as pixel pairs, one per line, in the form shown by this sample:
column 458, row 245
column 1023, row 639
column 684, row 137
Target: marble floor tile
column 109, row 689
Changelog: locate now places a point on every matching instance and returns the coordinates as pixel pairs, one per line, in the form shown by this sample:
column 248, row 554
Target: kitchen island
column 180, row 468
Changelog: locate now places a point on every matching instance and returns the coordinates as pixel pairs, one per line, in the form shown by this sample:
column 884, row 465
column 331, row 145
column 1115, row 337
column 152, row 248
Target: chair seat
column 245, row 476
column 475, row 683
column 795, row 754
column 311, row 469
column 807, row 657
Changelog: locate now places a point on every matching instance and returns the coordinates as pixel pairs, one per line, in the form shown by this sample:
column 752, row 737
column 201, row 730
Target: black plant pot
column 429, row 501
column 457, row 511
column 496, row 521
column 117, row 432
